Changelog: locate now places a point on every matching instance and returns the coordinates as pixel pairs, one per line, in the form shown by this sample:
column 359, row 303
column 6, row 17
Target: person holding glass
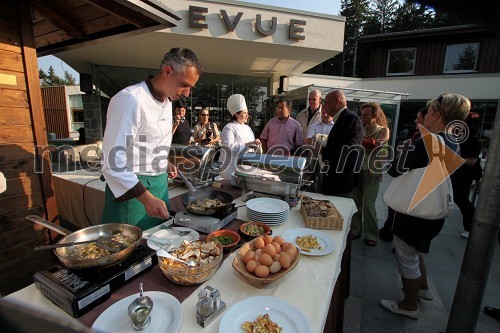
column 375, row 135
column 206, row 132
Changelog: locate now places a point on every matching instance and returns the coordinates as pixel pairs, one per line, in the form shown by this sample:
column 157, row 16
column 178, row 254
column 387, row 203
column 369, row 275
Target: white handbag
column 429, row 198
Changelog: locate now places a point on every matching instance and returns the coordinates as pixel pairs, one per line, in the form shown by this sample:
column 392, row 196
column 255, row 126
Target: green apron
column 133, row 211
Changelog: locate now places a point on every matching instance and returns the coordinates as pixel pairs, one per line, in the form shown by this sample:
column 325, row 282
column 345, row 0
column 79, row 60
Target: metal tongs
column 102, row 242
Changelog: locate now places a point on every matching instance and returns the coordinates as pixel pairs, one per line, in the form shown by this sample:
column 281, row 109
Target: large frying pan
column 64, row 254
column 194, row 195
column 190, row 197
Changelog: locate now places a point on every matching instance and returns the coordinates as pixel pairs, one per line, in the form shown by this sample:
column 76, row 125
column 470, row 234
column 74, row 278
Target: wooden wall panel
column 15, row 116
column 22, row 185
column 18, row 219
column 13, row 98
column 18, row 168
column 21, row 202
column 431, row 51
column 18, row 134
column 11, row 61
column 18, row 151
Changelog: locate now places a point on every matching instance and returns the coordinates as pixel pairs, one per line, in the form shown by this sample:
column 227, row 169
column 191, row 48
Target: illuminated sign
column 197, row 20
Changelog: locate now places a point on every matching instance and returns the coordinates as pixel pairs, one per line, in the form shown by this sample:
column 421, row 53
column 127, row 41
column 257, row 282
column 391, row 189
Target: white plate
column 326, row 242
column 267, row 205
column 267, row 221
column 163, row 236
column 284, row 214
column 166, row 315
column 282, row 313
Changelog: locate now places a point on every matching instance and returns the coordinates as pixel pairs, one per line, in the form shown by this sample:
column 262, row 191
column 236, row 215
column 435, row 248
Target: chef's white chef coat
column 137, row 137
column 234, row 136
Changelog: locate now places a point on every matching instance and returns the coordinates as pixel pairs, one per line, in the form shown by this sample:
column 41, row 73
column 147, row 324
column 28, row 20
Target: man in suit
column 343, row 148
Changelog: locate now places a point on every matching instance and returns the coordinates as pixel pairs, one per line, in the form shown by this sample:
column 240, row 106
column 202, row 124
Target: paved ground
column 374, row 276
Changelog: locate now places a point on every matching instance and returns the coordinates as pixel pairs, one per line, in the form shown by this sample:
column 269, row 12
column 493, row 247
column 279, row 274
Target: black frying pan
column 190, row 197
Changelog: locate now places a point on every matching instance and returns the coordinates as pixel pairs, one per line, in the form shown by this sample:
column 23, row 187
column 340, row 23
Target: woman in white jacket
column 236, row 135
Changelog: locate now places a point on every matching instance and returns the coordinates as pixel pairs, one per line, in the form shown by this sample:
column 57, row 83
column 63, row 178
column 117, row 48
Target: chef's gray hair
column 179, row 59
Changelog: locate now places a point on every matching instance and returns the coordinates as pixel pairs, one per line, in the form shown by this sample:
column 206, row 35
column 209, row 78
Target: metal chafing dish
column 281, row 176
column 199, row 164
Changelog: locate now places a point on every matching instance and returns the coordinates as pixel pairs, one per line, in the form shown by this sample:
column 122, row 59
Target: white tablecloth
column 309, row 287
column 80, row 196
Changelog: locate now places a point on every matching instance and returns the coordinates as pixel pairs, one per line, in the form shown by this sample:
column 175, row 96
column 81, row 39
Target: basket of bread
column 320, row 214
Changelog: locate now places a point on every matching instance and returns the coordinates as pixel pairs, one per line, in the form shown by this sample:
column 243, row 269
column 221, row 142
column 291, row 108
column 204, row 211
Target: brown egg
column 292, row 252
column 258, row 252
column 268, row 239
column 262, row 271
column 266, row 259
column 251, row 266
column 275, row 267
column 250, row 255
column 277, row 246
column 285, row 246
column 276, row 257
column 285, row 260
column 257, row 259
column 259, row 243
column 278, row 239
column 269, row 249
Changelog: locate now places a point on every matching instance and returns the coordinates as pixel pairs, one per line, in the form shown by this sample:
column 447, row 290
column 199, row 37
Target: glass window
column 401, row 62
column 461, row 58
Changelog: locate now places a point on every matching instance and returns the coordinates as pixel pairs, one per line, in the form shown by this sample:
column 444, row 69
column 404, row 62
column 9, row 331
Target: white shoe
column 393, row 307
column 465, row 234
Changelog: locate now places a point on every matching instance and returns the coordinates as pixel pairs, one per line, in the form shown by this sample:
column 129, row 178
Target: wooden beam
column 57, row 19
column 122, row 12
column 34, row 92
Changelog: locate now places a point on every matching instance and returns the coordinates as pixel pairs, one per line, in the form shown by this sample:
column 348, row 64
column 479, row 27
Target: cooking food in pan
column 92, row 251
column 206, row 204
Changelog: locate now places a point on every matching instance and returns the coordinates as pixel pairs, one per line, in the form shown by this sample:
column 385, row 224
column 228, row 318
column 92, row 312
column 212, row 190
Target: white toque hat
column 236, row 103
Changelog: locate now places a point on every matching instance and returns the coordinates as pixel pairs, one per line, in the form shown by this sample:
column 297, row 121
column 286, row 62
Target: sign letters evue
column 197, row 20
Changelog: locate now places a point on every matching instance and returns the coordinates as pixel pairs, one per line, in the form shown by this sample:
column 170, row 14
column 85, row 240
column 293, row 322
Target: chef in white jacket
column 236, row 135
column 137, row 139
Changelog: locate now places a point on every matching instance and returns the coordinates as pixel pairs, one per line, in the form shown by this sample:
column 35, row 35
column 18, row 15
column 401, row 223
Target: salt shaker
column 209, row 305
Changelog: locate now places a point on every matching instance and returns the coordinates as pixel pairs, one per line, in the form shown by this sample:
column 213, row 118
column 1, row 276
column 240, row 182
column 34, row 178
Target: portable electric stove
column 78, row 291
column 205, row 223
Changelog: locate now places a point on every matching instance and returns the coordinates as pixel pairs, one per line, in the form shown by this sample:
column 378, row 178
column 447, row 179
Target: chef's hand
column 172, row 170
column 257, row 142
column 154, row 206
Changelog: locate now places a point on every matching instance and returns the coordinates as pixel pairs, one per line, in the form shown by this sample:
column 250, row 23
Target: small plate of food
column 257, row 313
column 311, row 242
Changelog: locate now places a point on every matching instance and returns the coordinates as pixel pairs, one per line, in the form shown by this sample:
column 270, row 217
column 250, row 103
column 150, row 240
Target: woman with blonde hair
column 412, row 234
column 375, row 135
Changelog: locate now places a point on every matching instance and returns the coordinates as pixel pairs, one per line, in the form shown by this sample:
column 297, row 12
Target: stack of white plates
column 268, row 210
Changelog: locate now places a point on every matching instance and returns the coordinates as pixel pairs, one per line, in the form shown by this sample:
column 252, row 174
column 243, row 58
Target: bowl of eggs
column 265, row 259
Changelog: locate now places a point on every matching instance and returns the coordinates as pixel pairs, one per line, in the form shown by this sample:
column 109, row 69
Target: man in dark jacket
column 342, row 150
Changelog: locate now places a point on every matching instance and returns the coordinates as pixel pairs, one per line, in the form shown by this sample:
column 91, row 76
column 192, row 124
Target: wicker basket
column 335, row 222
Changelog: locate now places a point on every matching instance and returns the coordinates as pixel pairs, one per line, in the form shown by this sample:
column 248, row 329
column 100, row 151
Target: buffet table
column 80, row 196
column 309, row 287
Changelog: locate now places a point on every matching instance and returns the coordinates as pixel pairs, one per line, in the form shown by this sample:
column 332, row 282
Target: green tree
column 342, row 64
column 51, row 79
column 412, row 16
column 383, row 12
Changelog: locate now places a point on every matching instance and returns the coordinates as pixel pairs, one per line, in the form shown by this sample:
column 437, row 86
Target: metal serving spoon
column 162, row 253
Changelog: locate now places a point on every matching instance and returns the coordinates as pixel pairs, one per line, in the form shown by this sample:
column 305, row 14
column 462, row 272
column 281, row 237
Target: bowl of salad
column 251, row 230
column 227, row 238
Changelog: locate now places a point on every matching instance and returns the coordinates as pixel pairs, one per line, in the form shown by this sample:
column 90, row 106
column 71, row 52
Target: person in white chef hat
column 236, row 135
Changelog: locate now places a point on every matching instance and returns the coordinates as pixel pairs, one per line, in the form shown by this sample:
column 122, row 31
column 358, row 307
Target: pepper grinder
column 139, row 311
